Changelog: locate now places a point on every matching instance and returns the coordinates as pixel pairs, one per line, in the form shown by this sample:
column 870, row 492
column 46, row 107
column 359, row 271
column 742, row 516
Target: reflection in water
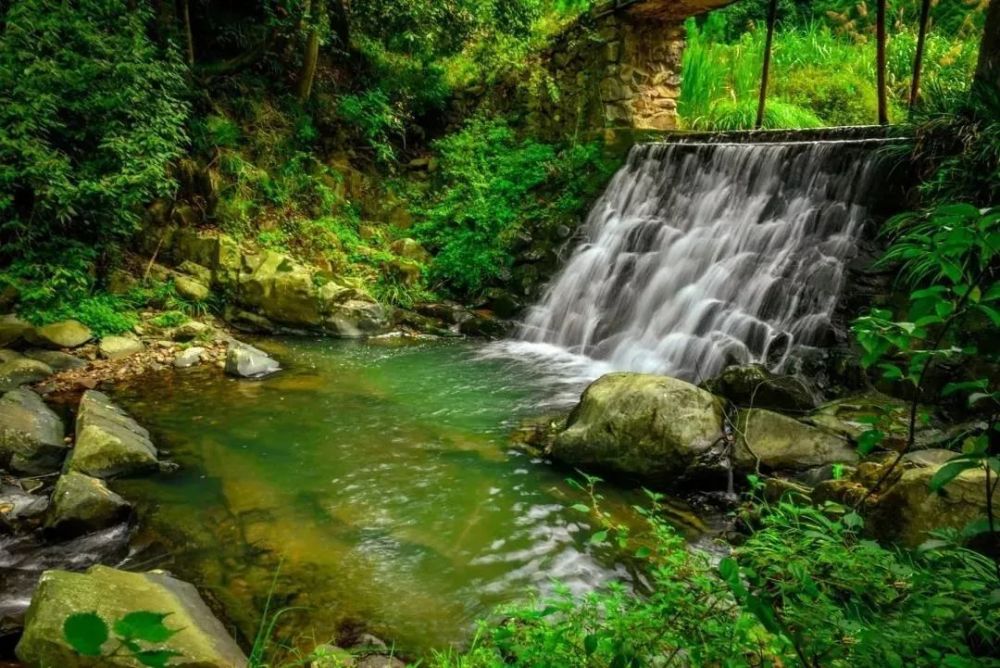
column 378, row 479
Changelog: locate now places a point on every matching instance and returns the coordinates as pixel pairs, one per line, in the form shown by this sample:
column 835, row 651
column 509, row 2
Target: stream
column 366, row 487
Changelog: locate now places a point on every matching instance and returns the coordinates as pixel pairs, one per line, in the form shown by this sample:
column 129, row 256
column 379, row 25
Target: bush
column 489, row 187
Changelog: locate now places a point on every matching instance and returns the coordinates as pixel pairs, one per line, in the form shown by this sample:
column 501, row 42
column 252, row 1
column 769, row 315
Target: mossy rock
column 13, row 330
column 780, row 443
column 653, row 427
column 119, row 347
column 753, row 386
column 31, row 435
column 81, row 503
column 109, row 443
column 64, row 334
column 200, row 642
column 22, row 371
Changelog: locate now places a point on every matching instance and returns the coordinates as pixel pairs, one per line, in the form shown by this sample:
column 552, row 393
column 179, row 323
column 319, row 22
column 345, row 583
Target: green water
column 374, row 487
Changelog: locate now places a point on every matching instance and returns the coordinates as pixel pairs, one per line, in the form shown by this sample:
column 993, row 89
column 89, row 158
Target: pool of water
column 364, row 487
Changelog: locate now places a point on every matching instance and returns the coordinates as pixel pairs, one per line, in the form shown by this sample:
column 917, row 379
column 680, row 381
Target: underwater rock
column 753, row 386
column 109, row 443
column 65, row 334
column 31, row 435
column 81, row 504
column 200, row 639
column 781, row 443
column 22, row 371
column 245, row 361
column 654, row 427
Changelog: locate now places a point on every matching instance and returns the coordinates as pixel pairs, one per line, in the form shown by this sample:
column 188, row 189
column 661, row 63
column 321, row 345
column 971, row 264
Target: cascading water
column 699, row 255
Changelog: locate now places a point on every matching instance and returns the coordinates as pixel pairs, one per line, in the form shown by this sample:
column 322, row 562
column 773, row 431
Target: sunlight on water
column 380, row 480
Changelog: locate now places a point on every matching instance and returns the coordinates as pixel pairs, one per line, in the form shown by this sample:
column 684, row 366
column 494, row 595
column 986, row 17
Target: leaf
column 590, row 644
column 156, row 658
column 950, row 471
column 869, row 440
column 643, row 553
column 85, row 632
column 144, row 625
column 581, row 508
column 599, row 538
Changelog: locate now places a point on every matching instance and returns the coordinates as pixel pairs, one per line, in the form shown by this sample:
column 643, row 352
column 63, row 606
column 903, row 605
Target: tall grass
column 817, row 76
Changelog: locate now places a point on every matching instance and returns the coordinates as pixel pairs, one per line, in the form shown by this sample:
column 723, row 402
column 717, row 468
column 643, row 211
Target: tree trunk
column 772, row 17
column 311, row 56
column 340, row 17
column 988, row 71
column 188, row 34
column 883, row 102
column 918, row 58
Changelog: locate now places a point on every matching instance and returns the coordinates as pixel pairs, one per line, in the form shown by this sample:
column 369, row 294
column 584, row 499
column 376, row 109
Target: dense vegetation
column 824, row 68
column 327, row 135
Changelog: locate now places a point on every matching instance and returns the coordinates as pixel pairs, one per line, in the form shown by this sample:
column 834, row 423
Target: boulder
column 852, row 416
column 355, row 318
column 781, row 443
column 191, row 289
column 190, row 330
column 281, row 290
column 331, row 656
column 65, row 334
column 56, row 359
column 31, row 435
column 484, row 324
column 109, row 443
column 81, row 504
column 200, row 642
column 411, row 250
column 379, row 661
column 245, row 361
column 753, row 386
column 189, row 357
column 22, row 371
column 117, row 347
column 6, row 355
column 653, row 427
column 13, row 330
column 196, row 271
column 908, row 511
column 20, row 511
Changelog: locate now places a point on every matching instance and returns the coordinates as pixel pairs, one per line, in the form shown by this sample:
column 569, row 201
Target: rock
column 109, row 443
column 330, row 656
column 200, row 642
column 249, row 322
column 6, row 355
column 189, row 357
column 81, row 504
column 192, row 289
column 31, row 435
column 379, row 661
column 20, row 511
column 198, row 272
column 245, row 361
column 851, row 416
column 65, row 334
column 908, row 511
column 654, row 427
column 483, row 324
column 411, row 250
column 782, row 443
column 282, row 291
column 354, row 318
column 192, row 329
column 753, row 386
column 13, row 330
column 117, row 347
column 58, row 360
column 931, row 457
column 22, row 371
column 448, row 312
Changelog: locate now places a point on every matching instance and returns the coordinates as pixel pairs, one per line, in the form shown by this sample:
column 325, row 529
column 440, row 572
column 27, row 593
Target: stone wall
column 612, row 69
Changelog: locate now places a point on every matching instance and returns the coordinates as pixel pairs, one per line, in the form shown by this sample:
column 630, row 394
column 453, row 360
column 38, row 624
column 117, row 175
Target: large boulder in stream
column 652, row 427
column 81, row 504
column 31, row 435
column 245, row 361
column 774, row 442
column 200, row 640
column 109, row 443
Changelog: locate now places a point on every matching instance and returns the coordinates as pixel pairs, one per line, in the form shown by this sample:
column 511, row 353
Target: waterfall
column 701, row 255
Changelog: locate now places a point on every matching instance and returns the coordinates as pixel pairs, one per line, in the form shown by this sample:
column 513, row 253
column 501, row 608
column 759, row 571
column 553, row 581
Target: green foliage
column 137, row 635
column 490, row 187
column 91, row 113
column 822, row 63
column 376, row 120
column 804, row 589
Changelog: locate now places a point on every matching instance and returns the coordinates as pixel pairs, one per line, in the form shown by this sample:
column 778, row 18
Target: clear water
column 374, row 487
